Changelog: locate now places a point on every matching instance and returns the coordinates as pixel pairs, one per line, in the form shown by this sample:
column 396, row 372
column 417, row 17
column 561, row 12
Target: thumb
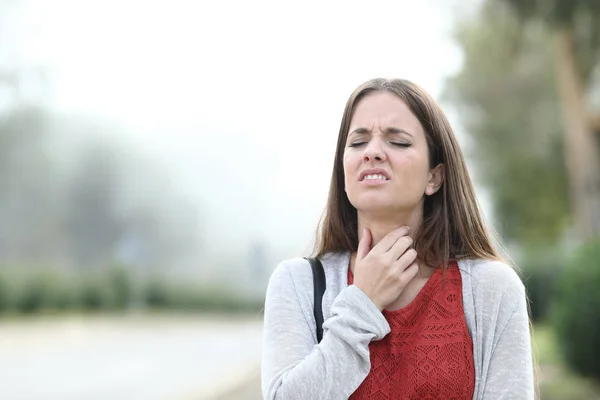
column 364, row 245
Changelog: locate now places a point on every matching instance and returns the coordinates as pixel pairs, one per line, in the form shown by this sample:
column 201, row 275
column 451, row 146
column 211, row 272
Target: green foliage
column 580, row 17
column 34, row 290
column 157, row 294
column 188, row 297
column 97, row 294
column 121, row 282
column 577, row 317
column 213, row 299
column 540, row 276
column 42, row 291
column 556, row 12
column 29, row 290
column 5, row 295
column 505, row 94
column 557, row 381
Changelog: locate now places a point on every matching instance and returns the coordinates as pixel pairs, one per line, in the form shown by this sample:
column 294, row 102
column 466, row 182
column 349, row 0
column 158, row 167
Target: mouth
column 374, row 175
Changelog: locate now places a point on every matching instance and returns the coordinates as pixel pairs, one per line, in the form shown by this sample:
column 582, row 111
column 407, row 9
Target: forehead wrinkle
column 384, row 114
column 382, row 120
column 393, row 130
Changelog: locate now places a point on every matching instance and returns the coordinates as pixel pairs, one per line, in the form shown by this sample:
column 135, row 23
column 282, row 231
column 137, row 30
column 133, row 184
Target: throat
column 411, row 291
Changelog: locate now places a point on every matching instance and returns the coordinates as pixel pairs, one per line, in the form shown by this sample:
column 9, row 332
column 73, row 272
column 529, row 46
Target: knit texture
column 297, row 367
column 428, row 353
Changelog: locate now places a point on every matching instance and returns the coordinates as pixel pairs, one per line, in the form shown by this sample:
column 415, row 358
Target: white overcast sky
column 240, row 99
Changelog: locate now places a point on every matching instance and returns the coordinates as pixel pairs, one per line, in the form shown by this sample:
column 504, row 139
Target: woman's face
column 386, row 159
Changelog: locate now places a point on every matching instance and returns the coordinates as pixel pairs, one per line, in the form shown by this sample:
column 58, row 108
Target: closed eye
column 401, row 144
column 357, row 144
column 397, row 144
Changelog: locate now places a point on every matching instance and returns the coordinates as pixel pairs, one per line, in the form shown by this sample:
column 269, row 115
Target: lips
column 374, row 174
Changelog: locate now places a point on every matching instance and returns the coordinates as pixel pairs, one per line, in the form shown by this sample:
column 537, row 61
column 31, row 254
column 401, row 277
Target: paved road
column 156, row 357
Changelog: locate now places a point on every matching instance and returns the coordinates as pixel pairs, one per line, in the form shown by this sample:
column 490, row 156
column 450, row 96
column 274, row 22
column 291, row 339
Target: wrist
column 371, row 297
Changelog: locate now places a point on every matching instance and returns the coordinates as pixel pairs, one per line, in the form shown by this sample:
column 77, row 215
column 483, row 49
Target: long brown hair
column 452, row 227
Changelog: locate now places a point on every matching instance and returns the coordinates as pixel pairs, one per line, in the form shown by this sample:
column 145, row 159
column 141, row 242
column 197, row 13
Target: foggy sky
column 238, row 103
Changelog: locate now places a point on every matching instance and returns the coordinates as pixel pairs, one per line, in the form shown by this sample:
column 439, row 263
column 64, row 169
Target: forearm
column 510, row 373
column 294, row 367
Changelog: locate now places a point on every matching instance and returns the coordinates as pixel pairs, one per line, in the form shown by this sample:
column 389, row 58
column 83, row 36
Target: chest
column 429, row 352
column 409, row 293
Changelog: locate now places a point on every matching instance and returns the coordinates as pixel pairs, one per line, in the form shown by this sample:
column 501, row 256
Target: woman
column 418, row 302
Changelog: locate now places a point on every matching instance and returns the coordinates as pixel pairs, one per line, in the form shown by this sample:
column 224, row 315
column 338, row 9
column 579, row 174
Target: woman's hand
column 383, row 272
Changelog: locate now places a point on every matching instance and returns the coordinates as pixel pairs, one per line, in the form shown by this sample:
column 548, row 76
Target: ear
column 436, row 177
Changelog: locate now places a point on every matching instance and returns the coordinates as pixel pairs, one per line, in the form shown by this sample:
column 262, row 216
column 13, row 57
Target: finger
column 392, row 237
column 407, row 259
column 410, row 272
column 400, row 247
column 364, row 245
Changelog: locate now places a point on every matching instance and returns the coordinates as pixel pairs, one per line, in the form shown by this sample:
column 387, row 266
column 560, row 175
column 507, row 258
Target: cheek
column 413, row 169
column 348, row 166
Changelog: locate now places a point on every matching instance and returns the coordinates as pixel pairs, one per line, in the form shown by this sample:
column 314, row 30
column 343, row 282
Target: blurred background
column 158, row 159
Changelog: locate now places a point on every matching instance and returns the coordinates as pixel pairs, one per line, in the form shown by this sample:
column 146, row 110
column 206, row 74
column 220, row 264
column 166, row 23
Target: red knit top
column 429, row 353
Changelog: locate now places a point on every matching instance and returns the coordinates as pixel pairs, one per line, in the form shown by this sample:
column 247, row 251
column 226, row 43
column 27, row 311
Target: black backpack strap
column 319, row 286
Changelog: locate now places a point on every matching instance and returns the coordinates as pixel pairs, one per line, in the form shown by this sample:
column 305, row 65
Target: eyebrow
column 361, row 131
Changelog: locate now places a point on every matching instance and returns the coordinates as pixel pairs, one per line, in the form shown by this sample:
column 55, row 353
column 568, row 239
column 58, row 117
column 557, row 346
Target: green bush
column 119, row 279
column 32, row 290
column 12, row 289
column 157, row 295
column 69, row 295
column 186, row 297
column 34, row 293
column 5, row 295
column 44, row 289
column 97, row 294
column 540, row 277
column 577, row 317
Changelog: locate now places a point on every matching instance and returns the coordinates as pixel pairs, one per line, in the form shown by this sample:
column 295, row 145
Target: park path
column 166, row 357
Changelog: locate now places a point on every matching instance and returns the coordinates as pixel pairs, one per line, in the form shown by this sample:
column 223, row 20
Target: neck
column 381, row 225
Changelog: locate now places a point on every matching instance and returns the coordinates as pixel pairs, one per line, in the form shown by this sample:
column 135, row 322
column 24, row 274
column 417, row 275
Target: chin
column 380, row 205
column 375, row 206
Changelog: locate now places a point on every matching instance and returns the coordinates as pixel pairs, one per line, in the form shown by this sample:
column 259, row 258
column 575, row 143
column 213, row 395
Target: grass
column 556, row 381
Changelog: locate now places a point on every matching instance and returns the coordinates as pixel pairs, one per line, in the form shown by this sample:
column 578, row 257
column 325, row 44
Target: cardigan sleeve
column 510, row 372
column 294, row 366
column 508, row 360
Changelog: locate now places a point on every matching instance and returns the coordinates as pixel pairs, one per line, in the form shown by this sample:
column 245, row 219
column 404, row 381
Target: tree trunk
column 581, row 147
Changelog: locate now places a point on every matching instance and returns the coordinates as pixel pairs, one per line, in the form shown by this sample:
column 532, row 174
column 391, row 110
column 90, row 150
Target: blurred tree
column 575, row 27
column 30, row 181
column 93, row 223
column 29, row 193
column 162, row 222
column 507, row 102
column 69, row 195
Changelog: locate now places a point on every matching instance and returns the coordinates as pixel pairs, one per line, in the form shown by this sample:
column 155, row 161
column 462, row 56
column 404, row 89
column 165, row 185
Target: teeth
column 377, row 177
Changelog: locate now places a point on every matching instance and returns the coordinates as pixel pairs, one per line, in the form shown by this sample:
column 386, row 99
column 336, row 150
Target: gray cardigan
column 294, row 366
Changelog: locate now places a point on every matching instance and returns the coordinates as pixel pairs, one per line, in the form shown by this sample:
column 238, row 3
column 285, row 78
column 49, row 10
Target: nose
column 374, row 151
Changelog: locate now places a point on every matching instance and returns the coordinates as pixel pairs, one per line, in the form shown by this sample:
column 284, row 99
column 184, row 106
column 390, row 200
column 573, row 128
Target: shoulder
column 288, row 273
column 295, row 273
column 492, row 279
